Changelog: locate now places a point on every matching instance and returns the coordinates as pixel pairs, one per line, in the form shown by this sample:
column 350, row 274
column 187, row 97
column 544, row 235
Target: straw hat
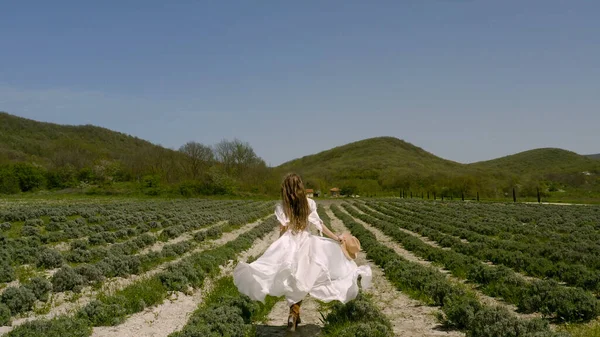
column 350, row 246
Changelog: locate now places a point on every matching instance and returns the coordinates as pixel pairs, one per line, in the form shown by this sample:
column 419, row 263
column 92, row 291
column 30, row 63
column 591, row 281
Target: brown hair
column 294, row 202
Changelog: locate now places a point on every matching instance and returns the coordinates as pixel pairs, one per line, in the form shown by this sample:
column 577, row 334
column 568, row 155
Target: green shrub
column 79, row 255
column 9, row 182
column 40, row 287
column 177, row 249
column 129, row 300
column 181, row 275
column 30, row 231
column 67, row 279
column 172, row 232
column 89, row 273
column 30, row 177
column 499, row 322
column 102, row 238
column 34, row 222
column 363, row 329
column 49, row 258
column 55, row 226
column 79, row 244
column 58, row 327
column 214, row 233
column 200, row 236
column 102, row 314
column 461, row 311
column 4, row 315
column 7, row 273
column 18, row 300
column 217, row 321
column 231, row 316
column 562, row 303
column 118, row 265
column 358, row 318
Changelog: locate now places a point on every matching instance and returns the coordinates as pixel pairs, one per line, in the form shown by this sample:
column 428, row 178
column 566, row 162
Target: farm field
column 162, row 268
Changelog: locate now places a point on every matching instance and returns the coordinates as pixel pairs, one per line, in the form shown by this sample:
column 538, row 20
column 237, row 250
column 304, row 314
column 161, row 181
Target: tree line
column 231, row 167
column 228, row 167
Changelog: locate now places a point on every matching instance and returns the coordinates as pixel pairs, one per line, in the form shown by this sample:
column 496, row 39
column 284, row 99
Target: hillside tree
column 236, row 156
column 199, row 157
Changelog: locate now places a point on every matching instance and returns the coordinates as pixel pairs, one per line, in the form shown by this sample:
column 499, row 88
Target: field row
column 549, row 298
column 543, row 258
column 223, row 311
column 116, row 260
column 460, row 307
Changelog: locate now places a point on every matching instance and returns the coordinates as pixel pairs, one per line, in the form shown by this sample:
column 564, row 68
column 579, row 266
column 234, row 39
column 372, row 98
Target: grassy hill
column 540, row 161
column 373, row 165
column 594, row 156
column 386, row 163
column 45, row 156
column 381, row 165
column 367, row 157
column 49, row 144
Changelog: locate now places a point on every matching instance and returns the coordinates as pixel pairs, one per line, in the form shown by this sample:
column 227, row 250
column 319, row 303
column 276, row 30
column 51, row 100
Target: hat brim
column 349, row 255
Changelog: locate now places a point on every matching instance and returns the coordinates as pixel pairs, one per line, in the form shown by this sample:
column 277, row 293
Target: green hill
column 36, row 155
column 375, row 164
column 51, row 144
column 45, row 156
column 594, row 156
column 540, row 161
column 383, row 164
column 370, row 155
column 67, row 155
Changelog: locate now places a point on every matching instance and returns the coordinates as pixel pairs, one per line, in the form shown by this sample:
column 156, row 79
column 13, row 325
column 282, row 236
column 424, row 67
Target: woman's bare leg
column 294, row 316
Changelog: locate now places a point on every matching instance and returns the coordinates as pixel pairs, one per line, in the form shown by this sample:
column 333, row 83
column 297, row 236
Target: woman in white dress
column 299, row 263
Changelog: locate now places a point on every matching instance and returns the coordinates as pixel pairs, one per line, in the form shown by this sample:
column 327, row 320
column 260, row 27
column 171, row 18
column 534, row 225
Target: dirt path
column 417, row 235
column 435, row 244
column 276, row 324
column 67, row 303
column 408, row 317
column 158, row 246
column 408, row 255
column 173, row 314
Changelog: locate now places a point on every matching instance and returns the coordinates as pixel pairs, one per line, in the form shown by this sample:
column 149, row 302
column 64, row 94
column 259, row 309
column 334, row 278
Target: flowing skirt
column 299, row 264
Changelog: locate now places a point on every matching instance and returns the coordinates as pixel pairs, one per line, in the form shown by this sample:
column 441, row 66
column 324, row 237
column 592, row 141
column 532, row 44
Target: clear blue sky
column 465, row 80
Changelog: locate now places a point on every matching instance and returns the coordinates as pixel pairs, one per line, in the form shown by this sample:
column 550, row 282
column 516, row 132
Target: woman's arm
column 282, row 229
column 330, row 234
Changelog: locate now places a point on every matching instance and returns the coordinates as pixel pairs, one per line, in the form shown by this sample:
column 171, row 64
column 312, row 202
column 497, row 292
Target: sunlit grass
column 591, row 329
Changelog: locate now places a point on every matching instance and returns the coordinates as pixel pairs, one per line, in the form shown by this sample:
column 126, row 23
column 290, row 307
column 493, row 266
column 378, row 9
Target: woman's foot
column 292, row 322
column 294, row 317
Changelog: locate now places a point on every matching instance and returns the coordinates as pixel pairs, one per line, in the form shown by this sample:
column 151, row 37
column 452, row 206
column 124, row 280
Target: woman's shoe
column 292, row 322
column 294, row 317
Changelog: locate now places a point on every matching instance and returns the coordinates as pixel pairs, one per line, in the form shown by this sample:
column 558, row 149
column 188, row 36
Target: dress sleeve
column 280, row 214
column 314, row 218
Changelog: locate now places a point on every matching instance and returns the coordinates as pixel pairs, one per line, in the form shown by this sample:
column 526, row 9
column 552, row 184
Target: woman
column 299, row 263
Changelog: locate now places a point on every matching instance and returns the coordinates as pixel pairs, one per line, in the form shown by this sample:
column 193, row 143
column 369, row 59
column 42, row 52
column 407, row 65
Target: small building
column 317, row 193
column 334, row 192
column 310, row 192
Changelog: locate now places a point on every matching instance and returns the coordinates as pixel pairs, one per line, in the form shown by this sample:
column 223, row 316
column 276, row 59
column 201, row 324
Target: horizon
column 466, row 81
column 324, row 150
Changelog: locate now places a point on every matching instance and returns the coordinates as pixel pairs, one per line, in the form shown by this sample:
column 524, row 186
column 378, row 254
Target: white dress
column 299, row 264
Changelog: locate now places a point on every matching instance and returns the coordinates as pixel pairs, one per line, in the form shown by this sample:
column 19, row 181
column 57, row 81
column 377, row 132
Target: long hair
column 294, row 202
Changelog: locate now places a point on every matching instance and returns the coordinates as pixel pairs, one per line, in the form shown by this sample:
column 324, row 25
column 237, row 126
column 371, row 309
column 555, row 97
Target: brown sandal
column 294, row 317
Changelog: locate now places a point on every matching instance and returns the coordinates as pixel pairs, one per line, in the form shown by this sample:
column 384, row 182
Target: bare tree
column 199, row 157
column 236, row 155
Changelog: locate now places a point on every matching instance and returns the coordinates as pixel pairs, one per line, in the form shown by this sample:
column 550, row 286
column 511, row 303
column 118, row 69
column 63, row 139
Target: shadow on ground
column 309, row 330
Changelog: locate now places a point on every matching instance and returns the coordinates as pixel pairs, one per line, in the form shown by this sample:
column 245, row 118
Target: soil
column 173, row 314
column 408, row 255
column 69, row 303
